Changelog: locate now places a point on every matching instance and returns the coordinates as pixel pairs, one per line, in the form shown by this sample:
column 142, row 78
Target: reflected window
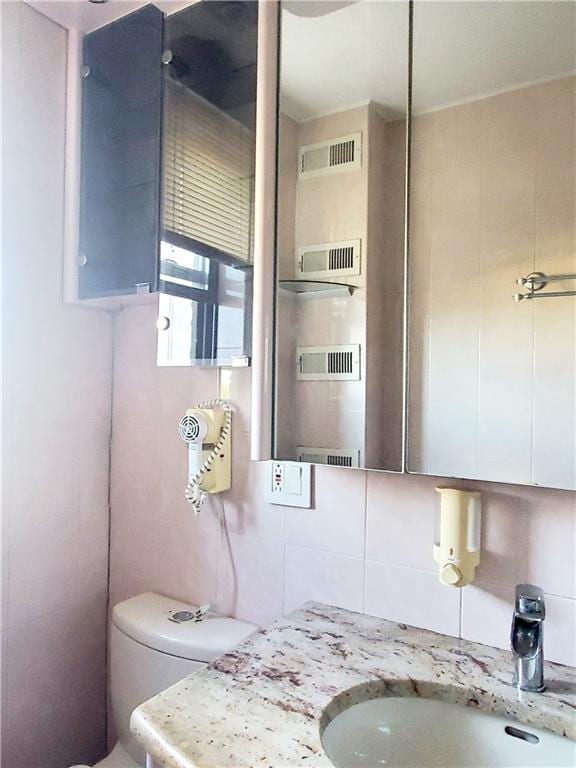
column 208, row 184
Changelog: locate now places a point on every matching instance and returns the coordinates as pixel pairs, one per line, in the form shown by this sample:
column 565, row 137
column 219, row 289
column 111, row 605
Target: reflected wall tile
column 457, row 135
column 556, row 240
column 508, row 205
column 422, row 143
column 505, row 390
column 554, row 436
column 324, row 577
column 556, row 121
column 509, row 124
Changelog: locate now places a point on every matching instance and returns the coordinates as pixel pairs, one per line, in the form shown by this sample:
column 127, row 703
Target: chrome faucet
column 527, row 638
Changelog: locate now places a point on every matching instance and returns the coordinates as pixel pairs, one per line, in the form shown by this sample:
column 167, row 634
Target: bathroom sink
column 411, row 732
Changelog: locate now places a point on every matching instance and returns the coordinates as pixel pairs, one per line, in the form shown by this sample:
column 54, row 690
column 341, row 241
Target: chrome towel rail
column 536, row 281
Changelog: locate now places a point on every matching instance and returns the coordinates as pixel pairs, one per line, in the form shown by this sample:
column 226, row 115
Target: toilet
column 155, row 642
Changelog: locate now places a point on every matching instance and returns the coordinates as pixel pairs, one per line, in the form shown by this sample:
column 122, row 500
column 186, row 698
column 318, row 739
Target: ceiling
column 86, row 16
column 338, row 54
column 357, row 53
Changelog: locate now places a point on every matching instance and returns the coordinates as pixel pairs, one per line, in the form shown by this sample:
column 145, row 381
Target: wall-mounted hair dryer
column 206, row 429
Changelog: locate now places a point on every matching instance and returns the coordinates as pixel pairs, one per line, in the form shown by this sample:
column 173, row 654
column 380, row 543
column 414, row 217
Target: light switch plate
column 289, row 483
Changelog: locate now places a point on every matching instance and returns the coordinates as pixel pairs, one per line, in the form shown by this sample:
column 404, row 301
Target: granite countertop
column 263, row 703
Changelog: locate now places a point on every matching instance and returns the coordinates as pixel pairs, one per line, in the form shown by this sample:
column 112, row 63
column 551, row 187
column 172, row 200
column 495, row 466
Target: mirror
column 209, row 113
column 343, row 86
column 492, row 381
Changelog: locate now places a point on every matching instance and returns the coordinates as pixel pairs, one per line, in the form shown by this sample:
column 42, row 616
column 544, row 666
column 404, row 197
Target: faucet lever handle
column 530, row 602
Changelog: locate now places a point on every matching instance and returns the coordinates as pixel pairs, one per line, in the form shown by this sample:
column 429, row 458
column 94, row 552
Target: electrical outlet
column 289, row 483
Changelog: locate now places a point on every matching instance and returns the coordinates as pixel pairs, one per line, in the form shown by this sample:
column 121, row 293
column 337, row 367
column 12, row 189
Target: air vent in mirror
column 329, row 259
column 333, row 155
column 339, row 363
column 334, row 457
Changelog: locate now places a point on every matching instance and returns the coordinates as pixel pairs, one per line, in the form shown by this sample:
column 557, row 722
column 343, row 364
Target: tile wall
column 366, row 544
column 57, row 382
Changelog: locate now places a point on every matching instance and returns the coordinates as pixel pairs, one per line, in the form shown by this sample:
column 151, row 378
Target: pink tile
column 42, row 570
column 135, row 371
column 182, row 388
column 69, row 474
column 240, row 396
column 322, row 576
column 247, row 513
column 560, row 630
column 76, row 364
column 252, row 580
column 48, row 659
column 528, row 535
column 336, row 523
column 487, row 613
column 135, row 486
column 412, row 597
column 134, row 555
column 487, row 618
column 400, row 513
column 190, row 571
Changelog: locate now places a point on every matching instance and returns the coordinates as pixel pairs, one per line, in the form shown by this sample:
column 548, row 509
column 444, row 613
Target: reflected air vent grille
column 341, row 154
column 329, row 259
column 341, row 363
column 334, row 457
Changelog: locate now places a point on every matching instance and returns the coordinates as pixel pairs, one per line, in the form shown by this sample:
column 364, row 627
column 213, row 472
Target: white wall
column 56, row 425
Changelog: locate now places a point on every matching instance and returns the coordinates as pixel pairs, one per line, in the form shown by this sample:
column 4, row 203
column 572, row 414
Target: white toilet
column 154, row 642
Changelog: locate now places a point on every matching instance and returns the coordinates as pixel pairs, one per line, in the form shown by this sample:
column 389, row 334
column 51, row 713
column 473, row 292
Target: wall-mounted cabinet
column 121, row 153
column 167, row 173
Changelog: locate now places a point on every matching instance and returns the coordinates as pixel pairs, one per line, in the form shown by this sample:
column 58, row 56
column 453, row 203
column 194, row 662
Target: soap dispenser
column 457, row 536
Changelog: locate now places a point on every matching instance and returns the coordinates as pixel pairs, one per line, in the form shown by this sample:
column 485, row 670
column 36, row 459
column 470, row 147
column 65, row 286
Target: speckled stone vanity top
column 265, row 703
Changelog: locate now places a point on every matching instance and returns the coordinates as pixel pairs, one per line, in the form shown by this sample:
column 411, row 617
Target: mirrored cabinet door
column 492, row 380
column 209, row 113
column 340, row 233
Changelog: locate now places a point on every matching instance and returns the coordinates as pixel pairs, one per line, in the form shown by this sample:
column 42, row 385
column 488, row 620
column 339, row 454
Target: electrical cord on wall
column 194, row 494
column 223, row 546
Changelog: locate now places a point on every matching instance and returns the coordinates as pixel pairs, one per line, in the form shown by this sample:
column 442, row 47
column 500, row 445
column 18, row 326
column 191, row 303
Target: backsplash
column 366, row 546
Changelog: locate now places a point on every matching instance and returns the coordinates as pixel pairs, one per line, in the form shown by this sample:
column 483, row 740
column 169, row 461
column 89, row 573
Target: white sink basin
column 410, row 732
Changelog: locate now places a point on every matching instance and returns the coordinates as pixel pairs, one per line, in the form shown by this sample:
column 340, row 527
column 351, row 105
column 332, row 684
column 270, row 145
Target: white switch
column 293, row 480
column 289, row 483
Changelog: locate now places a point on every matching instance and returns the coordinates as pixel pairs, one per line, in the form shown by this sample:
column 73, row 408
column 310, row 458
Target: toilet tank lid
column 149, row 619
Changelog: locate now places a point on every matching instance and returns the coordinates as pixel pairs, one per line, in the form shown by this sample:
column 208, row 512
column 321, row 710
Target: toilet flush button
column 183, row 616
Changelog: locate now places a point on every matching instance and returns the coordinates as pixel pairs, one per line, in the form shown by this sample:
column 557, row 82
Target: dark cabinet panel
column 121, row 146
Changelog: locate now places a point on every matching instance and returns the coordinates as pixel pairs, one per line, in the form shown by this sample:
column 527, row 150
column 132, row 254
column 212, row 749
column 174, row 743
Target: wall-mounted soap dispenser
column 457, row 536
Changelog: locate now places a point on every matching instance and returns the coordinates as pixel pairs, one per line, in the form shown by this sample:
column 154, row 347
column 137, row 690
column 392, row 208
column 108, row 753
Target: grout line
column 109, row 543
column 365, row 540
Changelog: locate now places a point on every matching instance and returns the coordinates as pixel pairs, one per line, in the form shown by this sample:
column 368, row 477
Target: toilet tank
column 154, row 643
